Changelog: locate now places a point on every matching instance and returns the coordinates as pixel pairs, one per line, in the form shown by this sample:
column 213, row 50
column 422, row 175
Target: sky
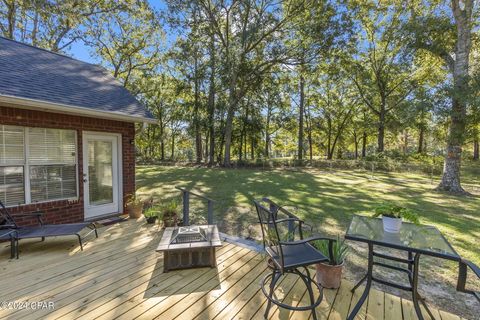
column 81, row 52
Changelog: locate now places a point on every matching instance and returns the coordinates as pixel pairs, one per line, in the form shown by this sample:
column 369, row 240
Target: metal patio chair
column 287, row 255
column 43, row 230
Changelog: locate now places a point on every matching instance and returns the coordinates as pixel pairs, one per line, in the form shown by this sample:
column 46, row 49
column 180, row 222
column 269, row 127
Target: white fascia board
column 33, row 104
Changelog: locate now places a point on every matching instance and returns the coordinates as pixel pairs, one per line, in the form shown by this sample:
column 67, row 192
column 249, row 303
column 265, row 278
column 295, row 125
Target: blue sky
column 79, row 51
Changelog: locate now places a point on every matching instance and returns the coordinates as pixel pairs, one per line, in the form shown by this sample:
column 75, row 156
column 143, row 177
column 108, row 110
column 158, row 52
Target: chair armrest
column 474, row 268
column 37, row 214
column 464, row 265
column 289, row 219
column 7, row 226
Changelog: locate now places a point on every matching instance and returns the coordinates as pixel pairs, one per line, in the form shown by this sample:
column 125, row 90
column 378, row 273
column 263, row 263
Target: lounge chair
column 42, row 230
column 10, row 234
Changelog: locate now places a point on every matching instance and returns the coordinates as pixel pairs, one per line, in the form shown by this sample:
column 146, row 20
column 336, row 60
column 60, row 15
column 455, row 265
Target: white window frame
column 26, row 167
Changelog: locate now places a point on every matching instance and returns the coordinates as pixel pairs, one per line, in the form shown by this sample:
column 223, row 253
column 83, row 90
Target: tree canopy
column 239, row 80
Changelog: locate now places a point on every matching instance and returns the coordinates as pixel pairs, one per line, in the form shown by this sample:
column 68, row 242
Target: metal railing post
column 273, row 208
column 210, row 212
column 186, row 208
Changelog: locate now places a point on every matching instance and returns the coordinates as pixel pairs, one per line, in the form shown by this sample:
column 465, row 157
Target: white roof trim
column 33, row 104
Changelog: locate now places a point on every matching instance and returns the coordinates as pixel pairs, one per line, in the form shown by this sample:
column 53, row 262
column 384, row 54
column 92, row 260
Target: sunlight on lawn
column 325, row 199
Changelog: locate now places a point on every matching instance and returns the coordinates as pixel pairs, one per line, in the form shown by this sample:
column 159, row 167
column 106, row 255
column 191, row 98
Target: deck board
column 120, row 276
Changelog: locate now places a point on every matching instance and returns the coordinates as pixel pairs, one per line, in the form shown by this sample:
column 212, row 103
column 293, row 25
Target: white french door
column 101, row 174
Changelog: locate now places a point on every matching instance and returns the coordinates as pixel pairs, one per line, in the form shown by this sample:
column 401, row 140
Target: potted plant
column 169, row 214
column 392, row 216
column 151, row 214
column 329, row 275
column 134, row 207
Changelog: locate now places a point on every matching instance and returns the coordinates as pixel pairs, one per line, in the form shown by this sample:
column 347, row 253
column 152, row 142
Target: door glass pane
column 100, row 182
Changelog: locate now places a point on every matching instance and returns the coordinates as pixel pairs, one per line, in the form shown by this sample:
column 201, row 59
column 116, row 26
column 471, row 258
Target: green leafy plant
column 133, row 200
column 170, row 207
column 169, row 213
column 152, row 212
column 339, row 250
column 396, row 211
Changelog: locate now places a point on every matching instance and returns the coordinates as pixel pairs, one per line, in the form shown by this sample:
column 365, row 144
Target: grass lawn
column 325, row 199
column 328, row 200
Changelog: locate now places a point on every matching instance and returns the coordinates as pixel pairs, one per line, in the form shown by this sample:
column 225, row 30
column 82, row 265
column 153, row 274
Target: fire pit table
column 189, row 247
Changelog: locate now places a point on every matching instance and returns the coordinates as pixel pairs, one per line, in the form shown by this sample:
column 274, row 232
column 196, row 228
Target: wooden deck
column 119, row 276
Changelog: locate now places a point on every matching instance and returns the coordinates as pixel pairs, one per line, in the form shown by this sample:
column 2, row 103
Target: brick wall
column 64, row 211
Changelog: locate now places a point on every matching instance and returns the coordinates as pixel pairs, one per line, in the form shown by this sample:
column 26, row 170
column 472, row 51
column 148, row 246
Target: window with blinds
column 12, row 164
column 52, row 162
column 37, row 164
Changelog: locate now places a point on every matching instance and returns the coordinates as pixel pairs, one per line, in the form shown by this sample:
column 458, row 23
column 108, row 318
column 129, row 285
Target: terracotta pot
column 329, row 276
column 135, row 211
column 170, row 219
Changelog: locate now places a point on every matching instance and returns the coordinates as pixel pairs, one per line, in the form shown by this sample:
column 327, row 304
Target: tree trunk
column 206, row 152
column 172, row 154
column 232, row 106
column 267, row 133
column 252, row 147
column 364, row 144
column 329, row 139
column 162, row 141
column 162, row 150
column 11, row 17
column 310, row 144
column 240, row 148
column 228, row 136
column 300, row 118
column 476, row 151
column 196, row 116
column 420, row 140
column 355, row 141
column 451, row 169
column 405, row 142
column 211, row 102
column 381, row 130
column 245, row 143
column 35, row 25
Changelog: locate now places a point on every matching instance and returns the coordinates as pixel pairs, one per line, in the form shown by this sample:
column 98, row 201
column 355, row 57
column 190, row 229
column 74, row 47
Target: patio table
column 413, row 239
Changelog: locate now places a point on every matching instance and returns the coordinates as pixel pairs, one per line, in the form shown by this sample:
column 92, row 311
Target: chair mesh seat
column 51, row 230
column 298, row 255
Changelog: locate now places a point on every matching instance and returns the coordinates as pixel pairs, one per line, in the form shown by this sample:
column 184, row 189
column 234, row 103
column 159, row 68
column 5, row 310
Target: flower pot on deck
column 391, row 225
column 329, row 276
column 170, row 219
column 152, row 219
column 135, row 211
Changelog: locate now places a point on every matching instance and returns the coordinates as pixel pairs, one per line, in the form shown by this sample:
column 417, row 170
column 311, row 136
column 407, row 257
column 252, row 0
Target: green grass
column 325, row 199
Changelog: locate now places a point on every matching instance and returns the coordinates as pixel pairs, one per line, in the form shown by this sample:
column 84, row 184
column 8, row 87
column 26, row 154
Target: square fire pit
column 189, row 247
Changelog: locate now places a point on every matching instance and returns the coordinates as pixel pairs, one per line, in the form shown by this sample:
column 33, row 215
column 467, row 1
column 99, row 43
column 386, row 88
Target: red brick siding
column 64, row 211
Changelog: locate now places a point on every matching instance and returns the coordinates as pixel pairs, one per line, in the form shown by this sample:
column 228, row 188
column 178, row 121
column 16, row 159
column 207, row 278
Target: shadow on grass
column 325, row 199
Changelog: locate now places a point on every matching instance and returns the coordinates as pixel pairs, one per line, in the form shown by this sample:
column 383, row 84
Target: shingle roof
column 34, row 73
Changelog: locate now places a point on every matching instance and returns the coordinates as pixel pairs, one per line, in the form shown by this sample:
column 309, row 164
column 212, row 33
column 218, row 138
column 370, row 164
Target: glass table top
column 416, row 238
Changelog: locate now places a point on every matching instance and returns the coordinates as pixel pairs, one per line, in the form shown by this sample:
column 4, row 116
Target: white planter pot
column 391, row 225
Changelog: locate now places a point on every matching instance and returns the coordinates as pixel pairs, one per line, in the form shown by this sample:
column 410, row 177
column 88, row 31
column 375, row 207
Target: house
column 66, row 136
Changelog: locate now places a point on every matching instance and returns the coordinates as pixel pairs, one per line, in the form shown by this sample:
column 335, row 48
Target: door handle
column 85, row 180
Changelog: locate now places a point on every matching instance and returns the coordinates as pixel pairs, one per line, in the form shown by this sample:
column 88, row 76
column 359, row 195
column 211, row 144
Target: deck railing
column 186, row 205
